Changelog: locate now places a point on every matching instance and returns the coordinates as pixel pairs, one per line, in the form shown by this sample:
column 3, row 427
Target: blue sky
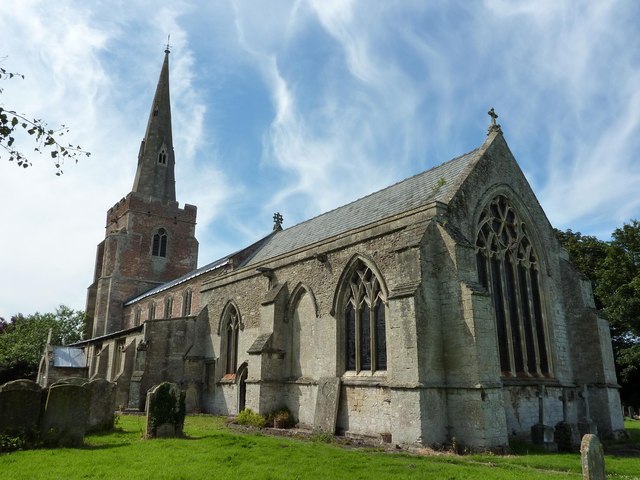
column 302, row 106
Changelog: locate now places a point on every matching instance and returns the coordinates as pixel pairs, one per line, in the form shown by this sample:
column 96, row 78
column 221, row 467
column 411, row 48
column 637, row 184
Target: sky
column 302, row 106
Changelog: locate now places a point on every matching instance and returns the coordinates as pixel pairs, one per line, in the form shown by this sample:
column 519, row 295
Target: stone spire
column 155, row 176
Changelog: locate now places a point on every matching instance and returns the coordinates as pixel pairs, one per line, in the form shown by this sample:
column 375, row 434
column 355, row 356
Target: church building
column 440, row 307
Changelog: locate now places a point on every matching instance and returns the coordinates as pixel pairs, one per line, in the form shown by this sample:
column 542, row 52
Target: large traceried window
column 364, row 314
column 231, row 327
column 508, row 267
column 159, row 246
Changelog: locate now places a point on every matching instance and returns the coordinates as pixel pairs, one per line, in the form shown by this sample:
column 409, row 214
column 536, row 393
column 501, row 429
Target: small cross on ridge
column 493, row 127
column 277, row 221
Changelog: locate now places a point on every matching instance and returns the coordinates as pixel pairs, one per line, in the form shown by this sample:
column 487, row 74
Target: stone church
column 440, row 307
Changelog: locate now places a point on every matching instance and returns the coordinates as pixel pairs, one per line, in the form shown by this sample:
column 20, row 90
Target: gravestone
column 20, row 407
column 102, row 405
column 327, row 405
column 71, row 381
column 542, row 434
column 592, row 458
column 65, row 415
column 587, row 425
column 165, row 411
column 566, row 434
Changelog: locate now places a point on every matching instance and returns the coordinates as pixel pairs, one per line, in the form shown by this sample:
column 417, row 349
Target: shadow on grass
column 107, row 446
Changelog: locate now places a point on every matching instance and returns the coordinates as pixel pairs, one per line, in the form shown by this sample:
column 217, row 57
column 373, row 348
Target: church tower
column 149, row 240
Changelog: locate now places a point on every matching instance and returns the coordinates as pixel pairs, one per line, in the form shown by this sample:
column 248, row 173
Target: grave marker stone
column 592, row 458
column 20, row 407
column 327, row 405
column 65, row 415
column 102, row 405
column 165, row 411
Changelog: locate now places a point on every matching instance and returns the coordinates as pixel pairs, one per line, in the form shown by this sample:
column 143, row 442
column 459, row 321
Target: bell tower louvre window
column 509, row 269
column 159, row 247
column 162, row 156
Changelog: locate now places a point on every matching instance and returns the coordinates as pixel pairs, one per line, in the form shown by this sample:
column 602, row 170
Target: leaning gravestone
column 102, row 405
column 165, row 411
column 327, row 405
column 20, row 407
column 65, row 415
column 592, row 458
column 70, row 381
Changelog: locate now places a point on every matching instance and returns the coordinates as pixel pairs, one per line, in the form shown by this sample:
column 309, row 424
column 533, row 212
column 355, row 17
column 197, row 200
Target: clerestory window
column 168, row 307
column 508, row 267
column 152, row 310
column 364, row 314
column 186, row 302
column 159, row 244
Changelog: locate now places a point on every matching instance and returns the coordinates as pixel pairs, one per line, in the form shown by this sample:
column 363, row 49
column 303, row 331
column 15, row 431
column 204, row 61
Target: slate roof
column 426, row 187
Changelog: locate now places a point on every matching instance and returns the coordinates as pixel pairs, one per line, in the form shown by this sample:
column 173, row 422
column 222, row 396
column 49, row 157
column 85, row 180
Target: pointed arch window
column 162, row 156
column 186, row 302
column 508, row 267
column 159, row 244
column 231, row 327
column 364, row 315
column 168, row 307
column 152, row 311
column 136, row 317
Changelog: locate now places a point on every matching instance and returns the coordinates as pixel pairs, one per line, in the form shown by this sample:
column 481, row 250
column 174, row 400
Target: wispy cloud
column 302, row 106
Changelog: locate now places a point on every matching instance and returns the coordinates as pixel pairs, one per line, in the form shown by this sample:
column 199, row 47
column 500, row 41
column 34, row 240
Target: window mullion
column 372, row 336
column 358, row 335
column 505, row 313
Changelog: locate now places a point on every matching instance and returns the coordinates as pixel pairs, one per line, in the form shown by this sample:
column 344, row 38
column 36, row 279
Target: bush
column 249, row 417
column 281, row 418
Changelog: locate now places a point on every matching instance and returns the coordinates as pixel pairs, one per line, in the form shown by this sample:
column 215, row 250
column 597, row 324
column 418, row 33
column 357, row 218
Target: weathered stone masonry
column 443, row 306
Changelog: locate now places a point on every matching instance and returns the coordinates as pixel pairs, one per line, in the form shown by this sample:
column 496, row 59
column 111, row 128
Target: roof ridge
column 424, row 172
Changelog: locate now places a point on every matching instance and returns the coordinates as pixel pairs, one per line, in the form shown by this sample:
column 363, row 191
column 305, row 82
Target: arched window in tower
column 364, row 321
column 162, row 156
column 229, row 333
column 159, row 246
column 508, row 267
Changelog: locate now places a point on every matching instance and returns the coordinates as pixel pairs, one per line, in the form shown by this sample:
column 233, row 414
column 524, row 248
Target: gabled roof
column 426, row 187
column 437, row 184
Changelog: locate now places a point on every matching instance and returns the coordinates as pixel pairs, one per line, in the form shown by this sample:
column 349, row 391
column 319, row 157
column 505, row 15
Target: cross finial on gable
column 493, row 127
column 277, row 221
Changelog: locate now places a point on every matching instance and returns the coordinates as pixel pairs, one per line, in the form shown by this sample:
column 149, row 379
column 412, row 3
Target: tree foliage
column 614, row 269
column 45, row 139
column 23, row 339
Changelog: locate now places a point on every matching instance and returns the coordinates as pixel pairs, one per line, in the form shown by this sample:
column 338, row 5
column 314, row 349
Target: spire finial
column 277, row 221
column 493, row 127
column 167, row 47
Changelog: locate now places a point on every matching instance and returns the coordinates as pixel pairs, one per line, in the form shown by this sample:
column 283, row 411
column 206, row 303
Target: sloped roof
column 432, row 185
column 426, row 187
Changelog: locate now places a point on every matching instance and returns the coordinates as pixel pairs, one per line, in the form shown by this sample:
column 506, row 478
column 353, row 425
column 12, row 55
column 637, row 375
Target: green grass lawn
column 212, row 451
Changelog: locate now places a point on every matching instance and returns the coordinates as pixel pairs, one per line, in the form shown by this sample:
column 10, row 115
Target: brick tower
column 149, row 240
